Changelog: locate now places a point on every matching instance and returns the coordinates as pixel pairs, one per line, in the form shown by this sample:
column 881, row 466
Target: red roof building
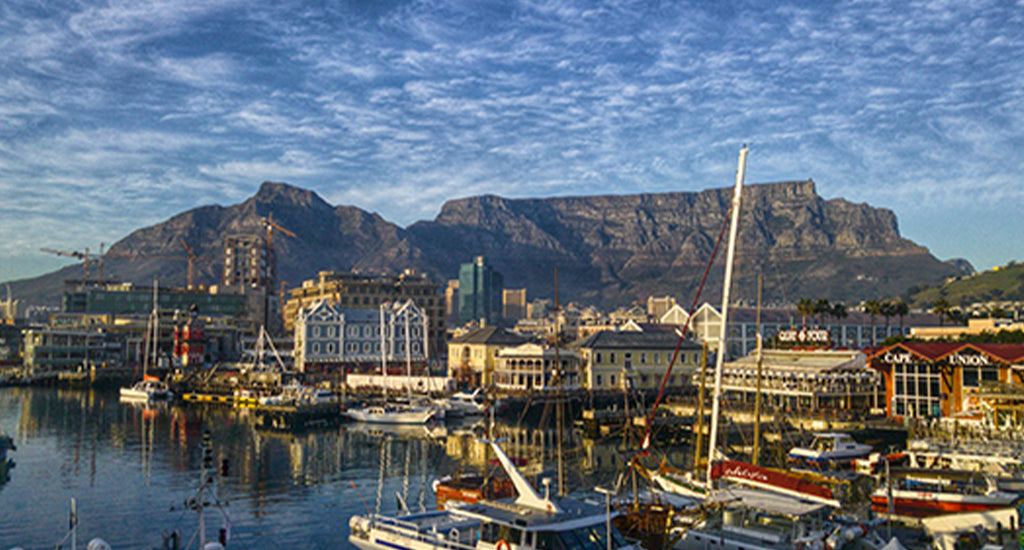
column 950, row 379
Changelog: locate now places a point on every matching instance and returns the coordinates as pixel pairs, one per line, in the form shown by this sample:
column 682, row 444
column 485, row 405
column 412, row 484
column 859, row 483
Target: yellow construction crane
column 191, row 263
column 271, row 225
column 85, row 257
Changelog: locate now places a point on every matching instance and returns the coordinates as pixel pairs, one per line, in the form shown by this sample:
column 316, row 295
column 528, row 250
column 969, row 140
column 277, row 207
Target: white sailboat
column 150, row 388
column 387, row 412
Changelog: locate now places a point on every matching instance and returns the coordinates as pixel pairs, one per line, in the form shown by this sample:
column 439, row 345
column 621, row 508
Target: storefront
column 947, row 379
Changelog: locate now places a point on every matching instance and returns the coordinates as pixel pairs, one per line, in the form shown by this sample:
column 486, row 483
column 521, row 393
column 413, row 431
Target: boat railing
column 413, row 531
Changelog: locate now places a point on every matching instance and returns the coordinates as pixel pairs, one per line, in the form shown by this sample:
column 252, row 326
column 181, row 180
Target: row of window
column 356, row 347
column 655, row 358
column 365, row 330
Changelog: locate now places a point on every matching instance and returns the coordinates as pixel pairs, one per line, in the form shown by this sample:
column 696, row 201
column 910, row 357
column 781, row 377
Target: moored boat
column 150, row 388
column 924, row 492
column 526, row 522
column 830, row 449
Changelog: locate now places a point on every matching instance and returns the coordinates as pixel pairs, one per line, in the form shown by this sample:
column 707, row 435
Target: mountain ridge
column 610, row 250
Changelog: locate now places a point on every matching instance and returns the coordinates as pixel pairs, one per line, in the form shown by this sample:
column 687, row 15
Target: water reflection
column 127, row 464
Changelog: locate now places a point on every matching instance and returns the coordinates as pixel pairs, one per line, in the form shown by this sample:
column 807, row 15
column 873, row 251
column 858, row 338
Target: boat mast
column 558, row 394
column 155, row 335
column 384, row 353
column 755, row 454
column 408, row 355
column 720, row 357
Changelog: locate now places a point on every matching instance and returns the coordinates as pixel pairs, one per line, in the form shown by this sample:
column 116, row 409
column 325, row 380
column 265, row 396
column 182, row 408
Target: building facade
column 857, row 330
column 817, row 380
column 472, row 356
column 951, row 379
column 613, row 360
column 348, row 291
column 328, row 338
column 480, row 292
column 533, row 367
column 246, row 262
column 514, row 304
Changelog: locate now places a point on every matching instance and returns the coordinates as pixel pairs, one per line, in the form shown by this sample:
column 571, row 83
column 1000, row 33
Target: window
column 611, row 358
column 612, row 380
column 330, row 348
column 316, row 332
column 597, row 358
column 316, row 349
column 643, row 358
column 598, row 383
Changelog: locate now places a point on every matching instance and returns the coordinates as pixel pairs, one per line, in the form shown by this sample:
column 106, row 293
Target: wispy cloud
column 118, row 106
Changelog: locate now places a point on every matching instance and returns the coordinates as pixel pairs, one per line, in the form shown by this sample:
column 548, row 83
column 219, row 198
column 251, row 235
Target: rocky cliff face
column 609, row 250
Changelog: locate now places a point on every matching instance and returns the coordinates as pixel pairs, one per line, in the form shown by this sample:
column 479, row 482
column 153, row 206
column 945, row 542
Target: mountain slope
column 609, row 250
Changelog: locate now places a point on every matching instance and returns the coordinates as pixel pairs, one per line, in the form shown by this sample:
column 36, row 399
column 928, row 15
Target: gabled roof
column 936, row 351
column 608, row 339
column 491, row 335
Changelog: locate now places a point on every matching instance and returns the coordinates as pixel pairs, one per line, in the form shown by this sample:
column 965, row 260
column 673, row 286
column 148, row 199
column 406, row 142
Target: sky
column 116, row 115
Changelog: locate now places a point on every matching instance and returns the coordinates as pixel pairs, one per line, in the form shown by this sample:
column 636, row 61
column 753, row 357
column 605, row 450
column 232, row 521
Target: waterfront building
column 349, row 291
column 857, row 330
column 124, row 298
column 532, row 367
column 480, row 292
column 952, row 380
column 818, row 380
column 53, row 350
column 329, row 338
column 612, row 359
column 472, row 356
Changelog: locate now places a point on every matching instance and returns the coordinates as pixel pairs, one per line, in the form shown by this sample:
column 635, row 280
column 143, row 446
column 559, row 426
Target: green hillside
column 1004, row 283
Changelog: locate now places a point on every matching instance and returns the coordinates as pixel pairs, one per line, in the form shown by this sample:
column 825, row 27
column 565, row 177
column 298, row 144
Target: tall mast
column 384, row 353
column 408, row 354
column 720, row 357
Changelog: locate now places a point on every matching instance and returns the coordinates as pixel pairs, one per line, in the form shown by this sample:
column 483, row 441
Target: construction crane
column 271, row 225
column 86, row 258
column 191, row 262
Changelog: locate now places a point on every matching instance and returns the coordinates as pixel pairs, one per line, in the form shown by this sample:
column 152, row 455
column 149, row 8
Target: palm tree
column 805, row 307
column 901, row 308
column 942, row 309
column 887, row 309
column 872, row 308
column 821, row 308
column 839, row 313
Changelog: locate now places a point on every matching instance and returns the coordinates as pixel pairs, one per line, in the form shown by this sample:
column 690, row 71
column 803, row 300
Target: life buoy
column 502, row 545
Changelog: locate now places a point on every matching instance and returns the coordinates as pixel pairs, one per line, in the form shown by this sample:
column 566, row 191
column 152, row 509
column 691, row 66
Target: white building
column 330, row 337
column 533, row 367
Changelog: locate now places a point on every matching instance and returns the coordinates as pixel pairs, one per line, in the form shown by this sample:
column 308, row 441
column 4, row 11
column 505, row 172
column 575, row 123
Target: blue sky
column 116, row 115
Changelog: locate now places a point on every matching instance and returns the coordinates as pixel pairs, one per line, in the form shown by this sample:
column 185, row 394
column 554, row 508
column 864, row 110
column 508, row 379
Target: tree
column 942, row 309
column 821, row 309
column 887, row 309
column 872, row 308
column 901, row 308
column 805, row 307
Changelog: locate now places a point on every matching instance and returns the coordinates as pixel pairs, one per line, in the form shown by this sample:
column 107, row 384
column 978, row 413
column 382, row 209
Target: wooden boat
column 470, row 489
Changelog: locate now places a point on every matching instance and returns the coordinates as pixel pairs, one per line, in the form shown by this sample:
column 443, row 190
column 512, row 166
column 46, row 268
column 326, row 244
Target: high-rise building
column 451, row 300
column 246, row 262
column 514, row 302
column 480, row 289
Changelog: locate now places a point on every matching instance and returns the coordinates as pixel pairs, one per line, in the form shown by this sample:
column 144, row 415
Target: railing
column 411, row 531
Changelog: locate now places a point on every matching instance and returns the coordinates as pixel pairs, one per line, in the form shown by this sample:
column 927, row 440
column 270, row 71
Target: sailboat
column 388, row 412
column 150, row 388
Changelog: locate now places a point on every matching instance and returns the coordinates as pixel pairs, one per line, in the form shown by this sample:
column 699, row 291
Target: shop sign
column 973, row 360
column 892, row 358
column 804, row 336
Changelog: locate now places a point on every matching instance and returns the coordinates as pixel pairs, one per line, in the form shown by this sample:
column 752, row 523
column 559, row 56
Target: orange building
column 950, row 379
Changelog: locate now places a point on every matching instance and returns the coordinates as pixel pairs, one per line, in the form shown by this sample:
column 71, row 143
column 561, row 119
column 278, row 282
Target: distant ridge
column 609, row 250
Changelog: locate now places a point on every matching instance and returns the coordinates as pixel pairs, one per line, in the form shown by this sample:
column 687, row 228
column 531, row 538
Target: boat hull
column 392, row 417
column 923, row 504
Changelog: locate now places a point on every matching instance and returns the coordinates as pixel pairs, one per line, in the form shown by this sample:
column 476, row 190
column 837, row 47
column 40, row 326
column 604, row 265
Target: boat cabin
column 750, row 519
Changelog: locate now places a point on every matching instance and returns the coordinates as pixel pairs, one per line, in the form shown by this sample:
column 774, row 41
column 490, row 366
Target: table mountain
column 609, row 250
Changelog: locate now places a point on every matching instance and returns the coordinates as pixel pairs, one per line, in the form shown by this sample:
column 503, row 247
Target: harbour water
column 131, row 469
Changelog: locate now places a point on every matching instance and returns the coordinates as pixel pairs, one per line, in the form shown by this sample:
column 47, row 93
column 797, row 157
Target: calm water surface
column 131, row 468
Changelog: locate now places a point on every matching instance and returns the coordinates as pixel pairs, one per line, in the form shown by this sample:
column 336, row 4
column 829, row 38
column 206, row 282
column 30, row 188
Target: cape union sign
column 804, row 336
column 956, row 359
